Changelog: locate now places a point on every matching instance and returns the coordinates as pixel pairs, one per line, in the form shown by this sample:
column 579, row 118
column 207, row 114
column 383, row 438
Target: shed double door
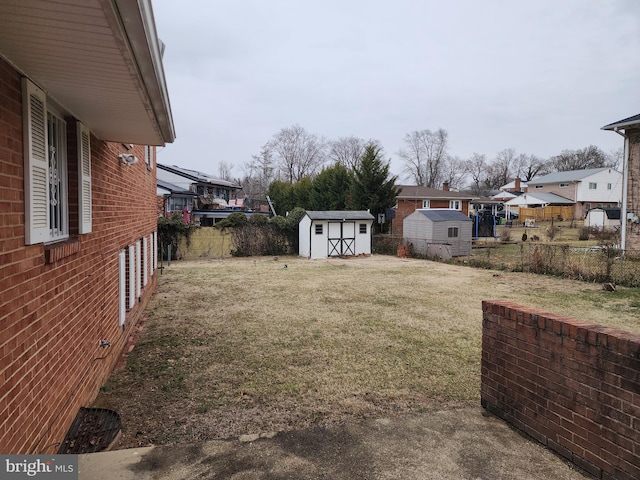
column 342, row 238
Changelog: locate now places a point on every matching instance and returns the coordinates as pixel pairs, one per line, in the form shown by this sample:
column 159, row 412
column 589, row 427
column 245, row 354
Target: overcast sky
column 537, row 76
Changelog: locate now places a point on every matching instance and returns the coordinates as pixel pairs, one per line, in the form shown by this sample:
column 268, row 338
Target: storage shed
column 605, row 218
column 325, row 234
column 439, row 232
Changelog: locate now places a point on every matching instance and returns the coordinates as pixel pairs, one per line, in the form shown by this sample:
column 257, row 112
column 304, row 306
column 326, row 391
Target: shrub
column 552, row 232
column 170, row 231
column 260, row 235
column 584, row 233
column 506, row 236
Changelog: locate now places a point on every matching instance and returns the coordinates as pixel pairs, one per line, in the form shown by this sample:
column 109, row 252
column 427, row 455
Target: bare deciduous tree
column 298, row 153
column 224, row 170
column 529, row 166
column 476, row 168
column 454, row 172
column 615, row 158
column 347, row 151
column 425, row 156
column 259, row 173
column 589, row 157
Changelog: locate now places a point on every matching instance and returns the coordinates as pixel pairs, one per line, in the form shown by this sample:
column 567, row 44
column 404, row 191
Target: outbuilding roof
column 443, row 215
column 339, row 215
column 611, row 213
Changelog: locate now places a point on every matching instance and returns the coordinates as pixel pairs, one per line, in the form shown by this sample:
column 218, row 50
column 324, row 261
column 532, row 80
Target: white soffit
column 95, row 58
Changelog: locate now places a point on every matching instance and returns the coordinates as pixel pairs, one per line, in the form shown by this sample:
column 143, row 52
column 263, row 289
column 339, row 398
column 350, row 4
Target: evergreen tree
column 372, row 189
column 286, row 196
column 330, row 189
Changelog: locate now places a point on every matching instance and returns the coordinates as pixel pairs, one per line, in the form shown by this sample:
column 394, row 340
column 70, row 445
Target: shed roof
column 611, row 213
column 569, row 176
column 340, row 215
column 443, row 215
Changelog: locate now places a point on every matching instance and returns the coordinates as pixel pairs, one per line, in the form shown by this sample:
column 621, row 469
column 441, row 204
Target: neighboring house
column 213, row 196
column 173, row 199
column 604, row 218
column 325, row 234
column 594, row 187
column 439, row 232
column 83, row 101
column 629, row 128
column 413, row 197
column 517, row 186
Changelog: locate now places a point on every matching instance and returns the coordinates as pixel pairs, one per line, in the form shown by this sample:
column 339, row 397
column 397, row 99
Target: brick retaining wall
column 571, row 385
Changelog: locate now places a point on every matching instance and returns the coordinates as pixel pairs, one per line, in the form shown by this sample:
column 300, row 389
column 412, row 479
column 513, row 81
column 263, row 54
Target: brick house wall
column 633, row 191
column 571, row 385
column 58, row 301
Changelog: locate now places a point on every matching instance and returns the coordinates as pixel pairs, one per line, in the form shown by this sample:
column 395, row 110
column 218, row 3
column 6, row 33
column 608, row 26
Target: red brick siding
column 571, row 385
column 407, row 206
column 58, row 302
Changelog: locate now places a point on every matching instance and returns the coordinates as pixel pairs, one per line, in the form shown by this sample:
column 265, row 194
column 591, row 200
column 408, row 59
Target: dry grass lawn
column 245, row 346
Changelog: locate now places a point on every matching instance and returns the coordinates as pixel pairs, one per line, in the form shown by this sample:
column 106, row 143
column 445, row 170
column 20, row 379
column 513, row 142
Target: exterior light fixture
column 128, row 159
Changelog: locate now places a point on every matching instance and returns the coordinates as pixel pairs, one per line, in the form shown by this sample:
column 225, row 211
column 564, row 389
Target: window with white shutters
column 46, row 170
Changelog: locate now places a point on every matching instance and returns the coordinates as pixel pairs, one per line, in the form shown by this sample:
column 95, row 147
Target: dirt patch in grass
column 250, row 346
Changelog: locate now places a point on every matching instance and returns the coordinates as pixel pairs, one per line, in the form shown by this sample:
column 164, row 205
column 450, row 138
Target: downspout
column 625, row 186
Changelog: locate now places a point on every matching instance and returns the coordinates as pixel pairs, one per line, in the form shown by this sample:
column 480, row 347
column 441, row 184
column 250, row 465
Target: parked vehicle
column 513, row 215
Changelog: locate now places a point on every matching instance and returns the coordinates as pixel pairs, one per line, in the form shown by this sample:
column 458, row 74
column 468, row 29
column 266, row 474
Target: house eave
column 99, row 60
column 631, row 122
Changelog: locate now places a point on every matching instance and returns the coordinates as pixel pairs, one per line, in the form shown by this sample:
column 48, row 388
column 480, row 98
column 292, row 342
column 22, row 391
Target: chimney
column 517, row 189
column 445, row 186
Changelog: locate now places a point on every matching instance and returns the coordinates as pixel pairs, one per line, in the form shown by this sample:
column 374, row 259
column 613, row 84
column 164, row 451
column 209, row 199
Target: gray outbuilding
column 439, row 232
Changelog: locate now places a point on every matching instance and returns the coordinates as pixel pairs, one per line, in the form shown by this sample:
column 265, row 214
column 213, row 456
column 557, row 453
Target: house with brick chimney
column 83, row 105
column 415, row 197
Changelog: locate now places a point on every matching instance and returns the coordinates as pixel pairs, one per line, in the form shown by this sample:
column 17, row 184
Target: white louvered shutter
column 84, row 179
column 145, row 261
column 132, row 276
column 138, row 269
column 153, row 255
column 36, row 164
column 122, row 290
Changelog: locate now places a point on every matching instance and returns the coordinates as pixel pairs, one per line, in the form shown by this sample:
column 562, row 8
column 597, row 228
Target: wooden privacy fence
column 546, row 213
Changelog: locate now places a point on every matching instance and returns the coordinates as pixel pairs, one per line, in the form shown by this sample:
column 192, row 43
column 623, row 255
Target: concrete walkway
column 451, row 444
